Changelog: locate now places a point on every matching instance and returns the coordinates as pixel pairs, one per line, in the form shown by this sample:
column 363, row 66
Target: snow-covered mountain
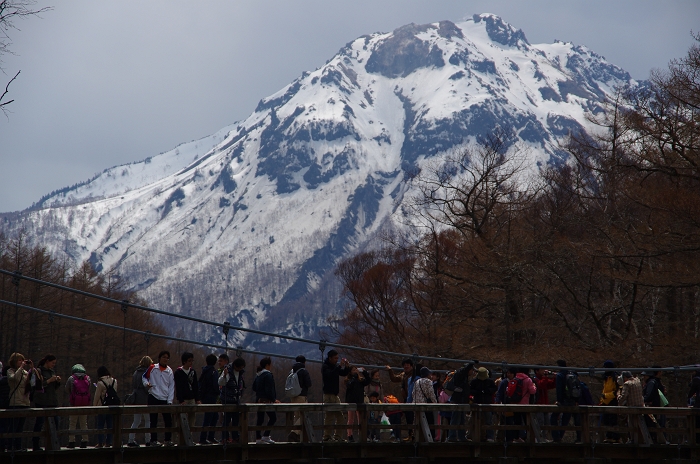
column 247, row 225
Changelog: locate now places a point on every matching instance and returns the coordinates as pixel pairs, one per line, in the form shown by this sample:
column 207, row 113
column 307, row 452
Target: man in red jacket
column 544, row 381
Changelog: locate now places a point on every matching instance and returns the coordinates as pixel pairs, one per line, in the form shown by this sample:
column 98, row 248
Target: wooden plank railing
column 681, row 422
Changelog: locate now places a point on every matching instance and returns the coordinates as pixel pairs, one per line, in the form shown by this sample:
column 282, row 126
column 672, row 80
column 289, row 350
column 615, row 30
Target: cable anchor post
column 414, row 358
column 504, row 367
column 239, row 351
column 51, row 315
column 322, row 346
column 676, row 372
column 125, row 306
column 591, row 372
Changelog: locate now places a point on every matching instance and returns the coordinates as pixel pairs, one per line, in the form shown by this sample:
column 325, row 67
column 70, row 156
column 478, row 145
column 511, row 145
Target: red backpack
column 80, row 393
column 515, row 391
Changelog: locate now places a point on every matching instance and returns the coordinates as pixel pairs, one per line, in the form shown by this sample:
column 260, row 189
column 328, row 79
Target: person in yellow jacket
column 609, row 398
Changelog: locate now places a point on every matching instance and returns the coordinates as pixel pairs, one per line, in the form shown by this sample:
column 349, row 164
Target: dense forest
column 36, row 334
column 595, row 258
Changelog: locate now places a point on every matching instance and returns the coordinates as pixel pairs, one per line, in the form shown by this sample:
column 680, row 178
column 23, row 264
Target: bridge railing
column 638, row 425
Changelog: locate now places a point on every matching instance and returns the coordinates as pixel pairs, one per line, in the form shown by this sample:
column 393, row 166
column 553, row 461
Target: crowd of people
column 222, row 381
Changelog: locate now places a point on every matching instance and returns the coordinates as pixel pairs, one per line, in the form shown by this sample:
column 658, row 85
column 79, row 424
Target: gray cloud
column 106, row 83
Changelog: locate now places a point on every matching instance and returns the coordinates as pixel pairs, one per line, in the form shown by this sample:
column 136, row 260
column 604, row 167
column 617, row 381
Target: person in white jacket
column 160, row 383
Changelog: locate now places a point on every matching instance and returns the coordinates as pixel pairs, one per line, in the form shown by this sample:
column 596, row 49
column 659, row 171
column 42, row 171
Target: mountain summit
column 248, row 224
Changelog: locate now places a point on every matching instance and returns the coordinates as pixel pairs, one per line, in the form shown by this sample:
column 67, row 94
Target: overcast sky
column 110, row 82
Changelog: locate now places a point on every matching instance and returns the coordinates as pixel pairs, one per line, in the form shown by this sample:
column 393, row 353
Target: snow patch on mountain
column 248, row 224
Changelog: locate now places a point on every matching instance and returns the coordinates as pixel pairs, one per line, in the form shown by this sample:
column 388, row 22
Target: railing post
column 362, row 414
column 52, row 434
column 117, row 426
column 585, row 426
column 691, row 426
column 184, row 430
column 477, row 416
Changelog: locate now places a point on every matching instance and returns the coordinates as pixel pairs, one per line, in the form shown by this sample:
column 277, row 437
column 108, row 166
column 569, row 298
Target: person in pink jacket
column 519, row 390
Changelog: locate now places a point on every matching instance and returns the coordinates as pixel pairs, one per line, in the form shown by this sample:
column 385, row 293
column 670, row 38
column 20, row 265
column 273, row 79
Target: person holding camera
column 18, row 378
column 544, row 381
column 331, row 371
column 355, row 384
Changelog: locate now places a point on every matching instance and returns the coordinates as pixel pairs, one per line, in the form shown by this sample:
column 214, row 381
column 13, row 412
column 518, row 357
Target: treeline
column 35, row 334
column 594, row 258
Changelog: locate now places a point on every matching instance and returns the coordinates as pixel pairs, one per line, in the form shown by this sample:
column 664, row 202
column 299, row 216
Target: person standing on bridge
column 18, row 378
column 209, row 393
column 141, row 399
column 186, row 385
column 304, row 379
column 45, row 397
column 460, row 396
column 567, row 396
column 159, row 380
column 331, row 371
column 78, row 388
column 406, row 378
column 266, row 393
column 232, row 386
column 106, row 386
column 355, row 384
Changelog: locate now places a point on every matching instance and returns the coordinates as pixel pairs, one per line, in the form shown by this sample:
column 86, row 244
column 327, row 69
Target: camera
column 28, row 361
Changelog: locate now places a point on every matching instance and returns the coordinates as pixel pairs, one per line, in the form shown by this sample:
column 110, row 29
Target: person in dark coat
column 483, row 388
column 304, row 377
column 232, row 386
column 265, row 392
column 140, row 399
column 460, row 396
column 45, row 397
column 209, row 394
column 186, row 385
column 355, row 384
column 331, row 371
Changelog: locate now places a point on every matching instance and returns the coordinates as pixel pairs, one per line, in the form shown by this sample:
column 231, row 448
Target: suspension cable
column 503, row 364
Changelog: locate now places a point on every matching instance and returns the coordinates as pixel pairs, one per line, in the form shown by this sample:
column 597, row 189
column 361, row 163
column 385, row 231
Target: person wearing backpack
column 140, row 399
column 159, row 380
column 300, row 385
column 46, row 397
column 209, row 394
column 518, row 391
column 567, row 396
column 186, row 385
column 105, row 395
column 266, row 393
column 78, row 388
column 232, row 386
column 18, row 379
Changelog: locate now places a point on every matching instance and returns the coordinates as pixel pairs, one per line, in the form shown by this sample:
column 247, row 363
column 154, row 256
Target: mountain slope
column 246, row 225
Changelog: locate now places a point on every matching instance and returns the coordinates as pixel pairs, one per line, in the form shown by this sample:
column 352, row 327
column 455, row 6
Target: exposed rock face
column 247, row 225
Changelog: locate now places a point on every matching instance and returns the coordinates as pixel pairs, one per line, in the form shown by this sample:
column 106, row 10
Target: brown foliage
column 35, row 334
column 600, row 259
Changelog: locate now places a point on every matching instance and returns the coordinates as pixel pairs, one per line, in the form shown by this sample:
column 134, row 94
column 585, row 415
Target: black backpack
column 111, row 398
column 573, row 386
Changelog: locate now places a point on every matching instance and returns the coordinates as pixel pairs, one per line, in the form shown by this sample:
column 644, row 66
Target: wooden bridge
column 677, row 442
